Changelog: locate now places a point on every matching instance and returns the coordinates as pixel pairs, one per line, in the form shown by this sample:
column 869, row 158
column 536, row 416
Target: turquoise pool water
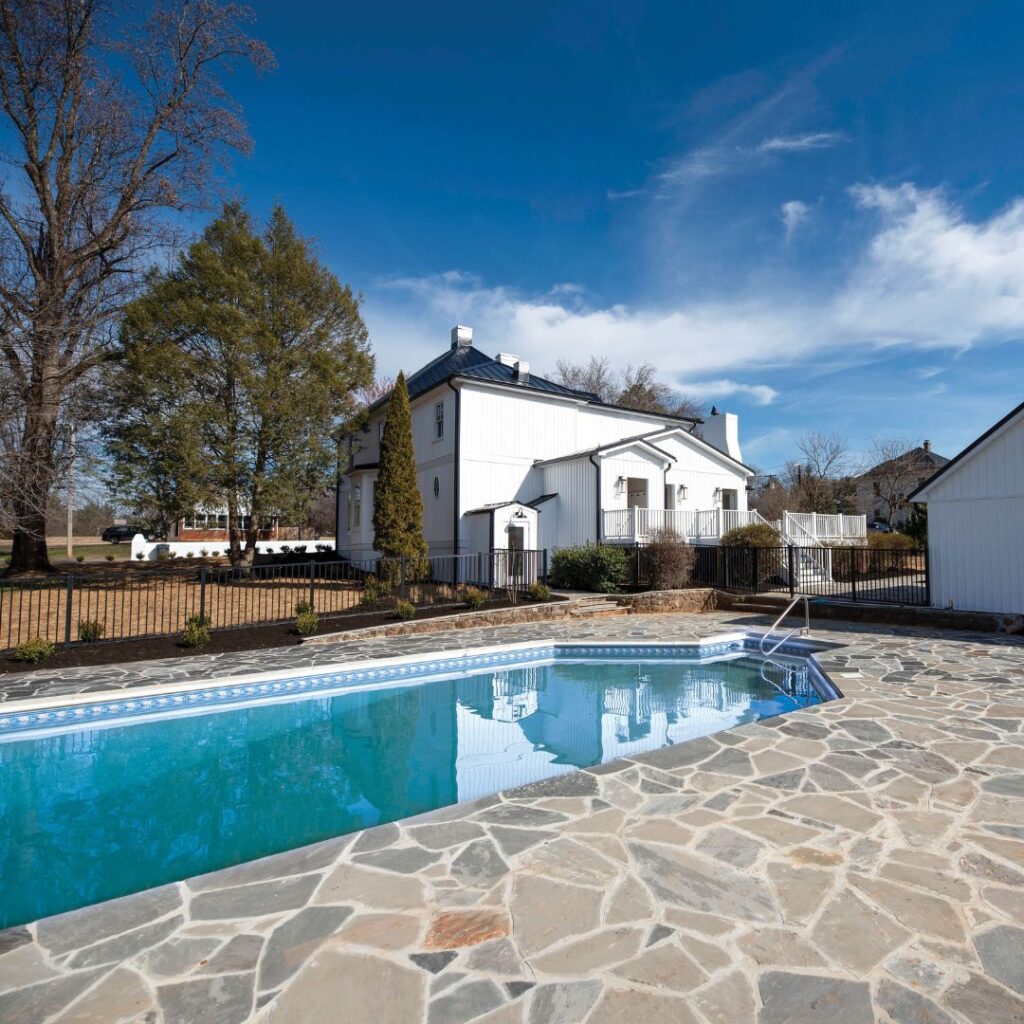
column 92, row 812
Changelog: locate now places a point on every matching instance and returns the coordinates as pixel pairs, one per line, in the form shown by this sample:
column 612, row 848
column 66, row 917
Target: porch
column 805, row 529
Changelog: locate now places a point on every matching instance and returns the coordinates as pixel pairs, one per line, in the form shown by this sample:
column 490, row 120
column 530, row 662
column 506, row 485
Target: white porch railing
column 801, row 529
column 632, row 525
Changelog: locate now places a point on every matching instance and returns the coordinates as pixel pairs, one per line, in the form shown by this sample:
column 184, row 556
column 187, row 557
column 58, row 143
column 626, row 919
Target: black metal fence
column 862, row 574
column 140, row 602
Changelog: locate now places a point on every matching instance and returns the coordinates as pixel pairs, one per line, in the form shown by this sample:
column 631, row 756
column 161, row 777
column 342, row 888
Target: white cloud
column 794, row 213
column 801, row 143
column 928, row 278
column 725, row 388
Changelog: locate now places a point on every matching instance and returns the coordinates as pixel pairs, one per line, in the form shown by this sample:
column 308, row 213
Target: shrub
column 109, row 558
column 299, row 549
column 140, row 555
column 90, row 630
column 595, row 567
column 754, row 535
column 323, row 548
column 188, row 554
column 473, row 598
column 203, row 552
column 890, row 541
column 405, row 610
column 307, row 622
column 669, row 560
column 375, row 591
column 34, row 650
column 286, row 549
column 163, row 556
column 197, row 631
column 538, row 591
column 79, row 558
column 303, row 607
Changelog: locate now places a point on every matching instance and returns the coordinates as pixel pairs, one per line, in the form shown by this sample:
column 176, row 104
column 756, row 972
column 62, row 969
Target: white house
column 508, row 459
column 975, row 514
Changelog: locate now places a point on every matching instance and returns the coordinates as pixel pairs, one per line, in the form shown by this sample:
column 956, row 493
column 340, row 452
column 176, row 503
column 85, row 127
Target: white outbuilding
column 976, row 522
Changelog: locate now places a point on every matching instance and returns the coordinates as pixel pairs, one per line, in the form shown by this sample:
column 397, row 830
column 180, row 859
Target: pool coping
column 40, row 715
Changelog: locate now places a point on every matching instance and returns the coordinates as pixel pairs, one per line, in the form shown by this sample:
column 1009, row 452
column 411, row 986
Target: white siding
column 571, row 518
column 639, row 463
column 975, row 515
column 702, row 472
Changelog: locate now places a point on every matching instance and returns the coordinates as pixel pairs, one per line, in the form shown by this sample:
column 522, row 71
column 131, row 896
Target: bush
column 140, row 555
column 89, row 631
column 891, row 541
column 538, row 591
column 79, row 558
column 203, row 552
column 163, row 556
column 307, row 622
column 375, row 591
column 34, row 651
column 473, row 598
column 188, row 554
column 197, row 631
column 754, row 535
column 286, row 549
column 669, row 560
column 299, row 549
column 405, row 610
column 596, row 567
column 303, row 607
column 323, row 548
column 109, row 558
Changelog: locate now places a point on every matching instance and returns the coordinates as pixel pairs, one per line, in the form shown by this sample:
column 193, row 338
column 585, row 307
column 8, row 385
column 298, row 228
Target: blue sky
column 810, row 214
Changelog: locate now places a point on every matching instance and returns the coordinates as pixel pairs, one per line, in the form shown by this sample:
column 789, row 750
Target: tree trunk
column 28, row 548
column 234, row 532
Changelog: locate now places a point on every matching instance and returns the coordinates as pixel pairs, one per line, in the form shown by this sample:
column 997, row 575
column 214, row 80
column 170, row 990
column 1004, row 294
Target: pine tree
column 397, row 502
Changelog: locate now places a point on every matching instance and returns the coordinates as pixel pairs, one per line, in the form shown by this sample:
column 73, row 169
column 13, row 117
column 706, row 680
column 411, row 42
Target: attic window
column 439, row 421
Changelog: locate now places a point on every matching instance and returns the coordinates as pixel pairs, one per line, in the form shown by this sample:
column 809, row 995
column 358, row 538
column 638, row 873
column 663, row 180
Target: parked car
column 120, row 534
column 880, row 527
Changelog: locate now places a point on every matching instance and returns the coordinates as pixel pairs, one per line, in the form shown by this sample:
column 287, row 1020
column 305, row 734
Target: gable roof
column 623, row 442
column 699, row 442
column 996, row 428
column 921, row 457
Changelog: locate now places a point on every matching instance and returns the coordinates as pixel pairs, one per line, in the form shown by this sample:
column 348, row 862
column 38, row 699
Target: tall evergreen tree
column 397, row 502
column 251, row 352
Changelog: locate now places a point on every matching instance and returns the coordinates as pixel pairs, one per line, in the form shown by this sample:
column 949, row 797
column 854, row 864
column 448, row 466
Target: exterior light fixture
column 620, row 486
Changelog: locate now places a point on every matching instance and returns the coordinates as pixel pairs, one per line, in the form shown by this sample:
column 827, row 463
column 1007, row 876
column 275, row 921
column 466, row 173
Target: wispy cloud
column 928, row 278
column 801, row 143
column 794, row 213
column 762, row 394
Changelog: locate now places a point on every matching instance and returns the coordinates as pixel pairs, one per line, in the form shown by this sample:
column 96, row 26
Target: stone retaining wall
column 653, row 602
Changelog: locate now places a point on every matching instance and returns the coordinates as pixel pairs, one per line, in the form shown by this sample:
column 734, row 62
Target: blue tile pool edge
column 87, row 709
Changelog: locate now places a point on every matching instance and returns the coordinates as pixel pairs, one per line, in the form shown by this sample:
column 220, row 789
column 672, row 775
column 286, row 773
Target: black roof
column 970, row 448
column 466, row 361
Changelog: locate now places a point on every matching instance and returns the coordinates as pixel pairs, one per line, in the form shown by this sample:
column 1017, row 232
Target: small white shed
column 976, row 522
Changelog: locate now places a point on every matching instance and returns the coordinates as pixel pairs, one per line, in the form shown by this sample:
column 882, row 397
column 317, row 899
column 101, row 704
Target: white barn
column 975, row 516
column 506, row 458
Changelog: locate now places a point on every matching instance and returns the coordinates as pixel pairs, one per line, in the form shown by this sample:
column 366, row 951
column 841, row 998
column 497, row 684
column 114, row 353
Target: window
column 380, row 429
column 437, row 487
column 355, row 507
column 439, row 421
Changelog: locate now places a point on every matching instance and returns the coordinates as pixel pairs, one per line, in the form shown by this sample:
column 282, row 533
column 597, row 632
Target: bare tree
column 818, row 481
column 596, row 377
column 111, row 125
column 897, row 467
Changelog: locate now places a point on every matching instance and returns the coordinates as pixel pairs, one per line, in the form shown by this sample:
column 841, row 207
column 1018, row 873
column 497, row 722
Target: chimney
column 462, row 337
column 522, row 371
column 722, row 431
column 926, row 445
column 507, row 358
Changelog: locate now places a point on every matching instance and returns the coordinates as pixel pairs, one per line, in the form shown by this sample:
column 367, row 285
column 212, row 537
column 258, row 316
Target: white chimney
column 462, row 337
column 507, row 358
column 522, row 371
column 722, row 431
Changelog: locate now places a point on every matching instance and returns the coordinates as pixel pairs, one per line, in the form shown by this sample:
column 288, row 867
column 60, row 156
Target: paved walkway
column 857, row 862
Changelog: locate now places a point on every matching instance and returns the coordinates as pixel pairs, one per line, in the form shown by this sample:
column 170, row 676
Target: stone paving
column 860, row 861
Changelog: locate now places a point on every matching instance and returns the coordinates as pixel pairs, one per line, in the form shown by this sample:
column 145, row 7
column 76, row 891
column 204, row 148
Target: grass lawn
column 92, row 552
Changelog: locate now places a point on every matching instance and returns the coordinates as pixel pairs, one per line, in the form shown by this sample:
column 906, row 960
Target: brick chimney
column 926, row 445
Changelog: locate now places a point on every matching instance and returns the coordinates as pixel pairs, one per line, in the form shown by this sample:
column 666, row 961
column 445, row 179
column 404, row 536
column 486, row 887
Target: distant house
column 975, row 515
column 507, row 459
column 212, row 525
column 883, row 491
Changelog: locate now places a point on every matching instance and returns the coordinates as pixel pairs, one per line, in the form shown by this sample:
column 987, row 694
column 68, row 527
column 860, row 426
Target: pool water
column 90, row 813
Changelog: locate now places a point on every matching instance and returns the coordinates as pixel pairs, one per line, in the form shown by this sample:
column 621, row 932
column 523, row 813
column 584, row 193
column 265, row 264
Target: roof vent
column 507, row 358
column 462, row 337
column 522, row 371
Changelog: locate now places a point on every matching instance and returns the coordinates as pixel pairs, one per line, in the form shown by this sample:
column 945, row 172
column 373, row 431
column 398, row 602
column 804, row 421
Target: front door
column 730, row 500
column 636, row 492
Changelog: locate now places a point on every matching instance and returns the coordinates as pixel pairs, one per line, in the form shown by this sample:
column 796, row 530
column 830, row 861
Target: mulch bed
column 221, row 641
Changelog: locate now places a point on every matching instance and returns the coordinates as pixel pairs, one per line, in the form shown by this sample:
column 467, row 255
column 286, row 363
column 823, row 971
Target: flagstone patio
column 860, row 861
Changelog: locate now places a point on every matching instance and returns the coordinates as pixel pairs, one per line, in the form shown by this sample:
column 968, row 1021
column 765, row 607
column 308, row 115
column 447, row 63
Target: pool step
column 596, row 608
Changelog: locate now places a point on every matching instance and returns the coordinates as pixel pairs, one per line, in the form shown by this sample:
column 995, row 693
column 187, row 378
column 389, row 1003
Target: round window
column 437, row 487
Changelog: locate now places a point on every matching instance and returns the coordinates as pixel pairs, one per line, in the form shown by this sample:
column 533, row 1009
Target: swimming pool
column 106, row 797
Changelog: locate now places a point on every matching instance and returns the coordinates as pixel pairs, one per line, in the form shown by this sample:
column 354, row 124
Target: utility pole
column 69, row 539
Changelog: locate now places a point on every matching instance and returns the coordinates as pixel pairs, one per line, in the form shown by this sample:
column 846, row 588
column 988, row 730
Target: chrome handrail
column 771, row 629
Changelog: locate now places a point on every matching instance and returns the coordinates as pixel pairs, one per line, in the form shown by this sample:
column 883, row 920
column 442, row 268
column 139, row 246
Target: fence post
column 69, row 596
column 202, row 593
column 727, row 564
column 312, row 581
column 927, row 578
column 853, row 573
column 789, row 570
column 757, row 575
column 545, row 562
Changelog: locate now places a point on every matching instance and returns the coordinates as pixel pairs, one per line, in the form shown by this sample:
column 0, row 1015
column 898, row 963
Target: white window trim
column 438, row 421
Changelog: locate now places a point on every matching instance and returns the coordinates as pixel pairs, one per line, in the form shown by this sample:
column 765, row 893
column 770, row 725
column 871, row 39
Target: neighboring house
column 883, row 491
column 212, row 525
column 507, row 459
column 975, row 503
